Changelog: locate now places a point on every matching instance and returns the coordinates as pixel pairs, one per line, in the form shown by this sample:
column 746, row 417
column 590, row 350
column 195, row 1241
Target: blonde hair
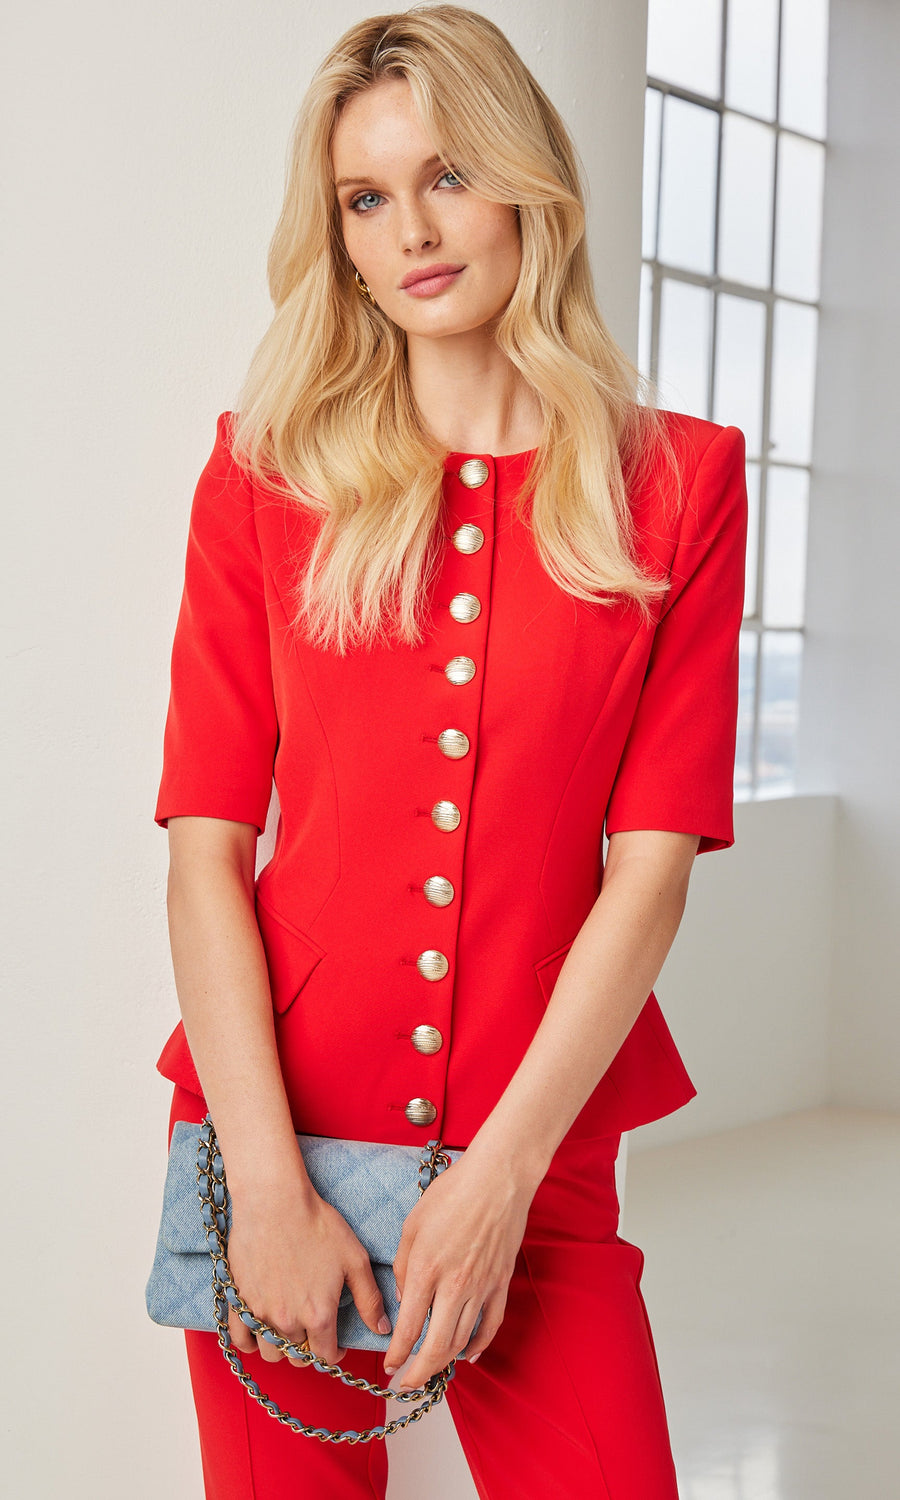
column 326, row 411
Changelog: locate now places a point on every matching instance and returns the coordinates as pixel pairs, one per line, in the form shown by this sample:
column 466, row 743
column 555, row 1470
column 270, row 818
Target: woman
column 469, row 597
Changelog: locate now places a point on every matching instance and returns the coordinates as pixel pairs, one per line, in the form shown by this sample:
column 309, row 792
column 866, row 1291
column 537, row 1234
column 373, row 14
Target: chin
column 445, row 323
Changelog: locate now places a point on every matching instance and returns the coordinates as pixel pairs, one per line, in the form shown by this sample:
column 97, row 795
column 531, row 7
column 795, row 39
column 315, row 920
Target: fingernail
column 384, row 1324
column 390, row 1369
column 473, row 1357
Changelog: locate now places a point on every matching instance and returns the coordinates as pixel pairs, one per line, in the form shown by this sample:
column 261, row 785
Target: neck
column 472, row 399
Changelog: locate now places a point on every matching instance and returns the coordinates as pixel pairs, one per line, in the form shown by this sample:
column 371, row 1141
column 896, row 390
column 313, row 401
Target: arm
column 608, row 973
column 223, row 991
column 290, row 1252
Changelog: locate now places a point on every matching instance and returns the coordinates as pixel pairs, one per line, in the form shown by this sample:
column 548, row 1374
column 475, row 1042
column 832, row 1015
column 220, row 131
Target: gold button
column 446, row 816
column 420, row 1112
column 468, row 537
column 438, row 890
column 473, row 473
column 465, row 607
column 427, row 1039
column 461, row 669
column 432, row 964
column 453, row 743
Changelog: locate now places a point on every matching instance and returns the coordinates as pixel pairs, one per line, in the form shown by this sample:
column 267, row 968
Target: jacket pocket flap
column 547, row 968
column 291, row 955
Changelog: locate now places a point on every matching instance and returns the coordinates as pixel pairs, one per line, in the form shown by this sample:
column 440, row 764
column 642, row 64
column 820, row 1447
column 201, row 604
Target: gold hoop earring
column 364, row 290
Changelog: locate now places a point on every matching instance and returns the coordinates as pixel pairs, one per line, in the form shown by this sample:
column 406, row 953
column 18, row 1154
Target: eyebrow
column 432, row 161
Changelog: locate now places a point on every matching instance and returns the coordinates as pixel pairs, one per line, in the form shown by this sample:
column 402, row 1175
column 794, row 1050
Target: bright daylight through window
column 734, row 156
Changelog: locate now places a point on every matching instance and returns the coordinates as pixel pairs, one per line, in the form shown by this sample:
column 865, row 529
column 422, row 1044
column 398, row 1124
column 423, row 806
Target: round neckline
column 496, row 458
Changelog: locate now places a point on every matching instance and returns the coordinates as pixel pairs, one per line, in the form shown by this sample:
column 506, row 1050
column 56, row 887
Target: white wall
column 145, row 150
column 850, row 709
column 745, row 983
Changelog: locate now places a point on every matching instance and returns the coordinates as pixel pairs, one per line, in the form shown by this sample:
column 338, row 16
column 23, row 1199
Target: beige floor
column 772, row 1279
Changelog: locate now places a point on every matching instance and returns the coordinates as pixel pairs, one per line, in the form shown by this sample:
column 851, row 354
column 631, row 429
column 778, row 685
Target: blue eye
column 354, row 202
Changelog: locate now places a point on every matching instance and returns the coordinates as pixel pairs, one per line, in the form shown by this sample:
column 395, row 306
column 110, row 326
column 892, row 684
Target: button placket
column 465, row 608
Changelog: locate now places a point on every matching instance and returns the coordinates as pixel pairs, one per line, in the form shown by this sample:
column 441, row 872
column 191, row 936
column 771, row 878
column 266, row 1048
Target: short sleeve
column 677, row 766
column 221, row 728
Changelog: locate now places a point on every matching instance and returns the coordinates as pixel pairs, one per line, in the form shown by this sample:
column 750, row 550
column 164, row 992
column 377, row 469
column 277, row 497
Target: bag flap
column 371, row 1184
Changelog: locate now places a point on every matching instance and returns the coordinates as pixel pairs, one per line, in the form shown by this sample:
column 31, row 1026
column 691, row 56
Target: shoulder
column 697, row 470
column 222, row 457
column 691, row 492
column 222, row 517
column 258, row 511
column 703, row 448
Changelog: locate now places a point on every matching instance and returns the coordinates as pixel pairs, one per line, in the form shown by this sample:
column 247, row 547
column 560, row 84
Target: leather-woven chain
column 211, row 1190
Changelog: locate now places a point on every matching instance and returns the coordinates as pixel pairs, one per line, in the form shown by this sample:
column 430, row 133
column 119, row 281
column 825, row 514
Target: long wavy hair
column 326, row 411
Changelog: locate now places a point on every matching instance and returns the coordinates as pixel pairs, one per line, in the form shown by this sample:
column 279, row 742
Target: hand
column 290, row 1253
column 457, row 1253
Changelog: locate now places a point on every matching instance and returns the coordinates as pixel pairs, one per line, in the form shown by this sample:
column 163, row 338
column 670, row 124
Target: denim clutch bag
column 372, row 1185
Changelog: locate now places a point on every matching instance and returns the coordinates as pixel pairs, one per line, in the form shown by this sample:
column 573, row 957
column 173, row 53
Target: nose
column 417, row 229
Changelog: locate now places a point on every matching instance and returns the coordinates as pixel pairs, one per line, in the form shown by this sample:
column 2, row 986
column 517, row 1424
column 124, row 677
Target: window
column 734, row 157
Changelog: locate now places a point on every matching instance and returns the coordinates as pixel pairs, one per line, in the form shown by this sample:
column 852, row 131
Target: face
column 403, row 211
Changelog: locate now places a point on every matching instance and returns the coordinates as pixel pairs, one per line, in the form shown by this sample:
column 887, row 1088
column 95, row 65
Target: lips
column 428, row 273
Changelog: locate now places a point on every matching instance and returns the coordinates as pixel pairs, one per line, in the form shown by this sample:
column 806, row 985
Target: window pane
column 752, row 540
column 684, row 43
column 743, row 756
column 748, row 182
column 787, row 503
column 779, row 695
column 804, row 65
column 645, row 319
column 684, row 343
column 793, row 381
column 740, row 367
column 688, row 199
column 751, row 56
column 652, row 120
column 798, row 225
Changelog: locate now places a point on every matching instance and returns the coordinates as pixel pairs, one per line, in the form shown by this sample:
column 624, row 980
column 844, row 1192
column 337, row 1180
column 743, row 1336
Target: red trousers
column 565, row 1401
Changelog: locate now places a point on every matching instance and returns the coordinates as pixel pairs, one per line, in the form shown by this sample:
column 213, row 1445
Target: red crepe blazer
column 425, row 887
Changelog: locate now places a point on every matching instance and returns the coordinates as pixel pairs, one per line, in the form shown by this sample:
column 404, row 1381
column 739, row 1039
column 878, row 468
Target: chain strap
column 211, row 1190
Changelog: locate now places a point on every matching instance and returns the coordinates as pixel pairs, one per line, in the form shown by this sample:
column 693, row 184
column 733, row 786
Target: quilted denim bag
column 372, row 1185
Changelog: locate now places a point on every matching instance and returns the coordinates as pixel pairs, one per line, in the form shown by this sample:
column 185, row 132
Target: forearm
column 607, row 975
column 223, row 990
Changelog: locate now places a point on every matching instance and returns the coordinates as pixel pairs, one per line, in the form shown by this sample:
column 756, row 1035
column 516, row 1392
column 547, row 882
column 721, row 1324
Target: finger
column 297, row 1363
column 399, row 1269
column 286, row 1328
column 267, row 1350
column 323, row 1339
column 241, row 1337
column 401, row 1259
column 439, row 1345
column 367, row 1296
column 463, row 1334
column 492, row 1317
column 408, row 1326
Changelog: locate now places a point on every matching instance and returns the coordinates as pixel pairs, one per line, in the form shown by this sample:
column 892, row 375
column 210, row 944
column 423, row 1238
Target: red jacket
column 425, row 885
